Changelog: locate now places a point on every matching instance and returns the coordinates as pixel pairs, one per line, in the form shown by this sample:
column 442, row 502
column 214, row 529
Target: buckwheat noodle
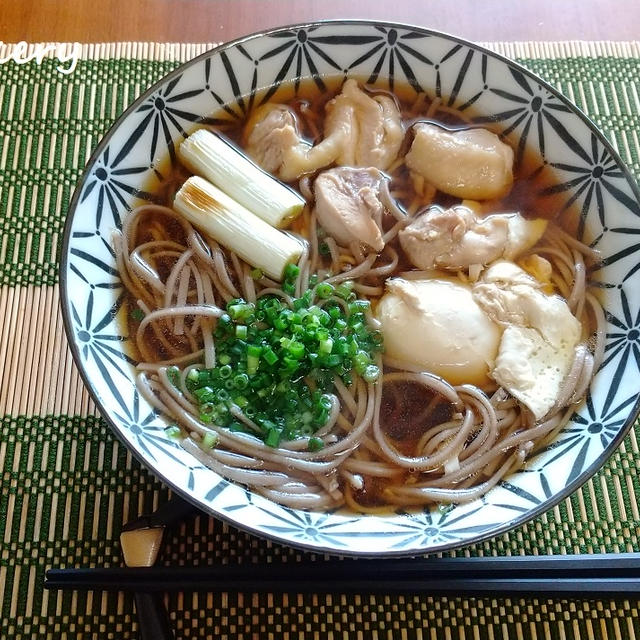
column 465, row 440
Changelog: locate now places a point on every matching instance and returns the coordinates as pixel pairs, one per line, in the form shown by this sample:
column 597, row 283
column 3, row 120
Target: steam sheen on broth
column 490, row 334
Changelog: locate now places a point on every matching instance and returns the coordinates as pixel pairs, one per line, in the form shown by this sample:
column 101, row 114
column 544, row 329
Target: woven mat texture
column 67, row 485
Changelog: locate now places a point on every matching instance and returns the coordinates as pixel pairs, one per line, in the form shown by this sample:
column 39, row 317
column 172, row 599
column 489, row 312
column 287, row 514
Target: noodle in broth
column 410, row 438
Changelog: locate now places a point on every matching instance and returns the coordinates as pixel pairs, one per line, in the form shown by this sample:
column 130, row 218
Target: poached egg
column 436, row 325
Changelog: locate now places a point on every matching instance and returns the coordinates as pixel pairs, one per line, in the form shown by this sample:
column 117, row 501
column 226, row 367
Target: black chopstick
column 599, row 574
column 153, row 619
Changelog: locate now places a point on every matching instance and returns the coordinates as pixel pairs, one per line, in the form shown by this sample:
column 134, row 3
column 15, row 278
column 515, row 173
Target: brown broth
column 531, row 177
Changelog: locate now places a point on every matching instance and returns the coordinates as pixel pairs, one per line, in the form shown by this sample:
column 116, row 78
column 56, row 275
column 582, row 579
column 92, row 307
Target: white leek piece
column 214, row 158
column 229, row 223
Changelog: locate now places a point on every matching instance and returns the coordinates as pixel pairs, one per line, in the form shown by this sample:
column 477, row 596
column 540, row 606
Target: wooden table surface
column 218, row 20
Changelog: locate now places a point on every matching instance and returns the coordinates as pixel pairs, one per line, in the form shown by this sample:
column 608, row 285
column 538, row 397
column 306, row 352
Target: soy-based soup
column 435, row 330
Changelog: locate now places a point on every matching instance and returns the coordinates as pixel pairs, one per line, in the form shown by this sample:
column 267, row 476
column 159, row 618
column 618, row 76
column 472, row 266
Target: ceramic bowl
column 590, row 177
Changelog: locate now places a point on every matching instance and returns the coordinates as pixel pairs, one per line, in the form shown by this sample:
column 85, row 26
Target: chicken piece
column 538, row 344
column 469, row 163
column 274, row 142
column 370, row 127
column 348, row 205
column 456, row 238
column 360, row 131
column 271, row 135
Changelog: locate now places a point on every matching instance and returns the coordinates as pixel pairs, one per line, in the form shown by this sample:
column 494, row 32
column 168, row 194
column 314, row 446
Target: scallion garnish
column 173, row 431
column 267, row 352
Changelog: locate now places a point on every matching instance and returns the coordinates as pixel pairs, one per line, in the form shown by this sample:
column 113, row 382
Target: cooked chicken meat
column 348, row 205
column 275, row 143
column 360, row 130
column 458, row 237
column 469, row 163
column 370, row 127
column 273, row 136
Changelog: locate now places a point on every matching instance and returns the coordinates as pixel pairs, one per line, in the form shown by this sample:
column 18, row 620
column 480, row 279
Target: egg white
column 435, row 324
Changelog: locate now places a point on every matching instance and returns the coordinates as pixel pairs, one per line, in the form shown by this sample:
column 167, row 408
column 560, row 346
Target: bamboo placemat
column 68, row 485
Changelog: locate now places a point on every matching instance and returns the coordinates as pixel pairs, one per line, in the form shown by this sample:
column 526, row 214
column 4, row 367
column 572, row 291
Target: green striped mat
column 67, row 484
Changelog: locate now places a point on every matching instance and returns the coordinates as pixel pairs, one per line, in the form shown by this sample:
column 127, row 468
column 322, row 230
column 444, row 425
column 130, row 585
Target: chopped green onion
column 315, row 444
column 333, row 360
column 137, row 314
column 204, row 394
column 340, row 325
column 325, row 346
column 240, row 311
column 361, row 361
column 344, row 290
column 252, row 365
column 270, row 356
column 325, row 290
column 273, row 438
column 296, row 350
column 241, row 401
column 359, row 306
column 291, row 271
column 254, row 350
column 241, row 381
column 283, row 320
column 268, row 351
column 173, row 431
column 209, row 440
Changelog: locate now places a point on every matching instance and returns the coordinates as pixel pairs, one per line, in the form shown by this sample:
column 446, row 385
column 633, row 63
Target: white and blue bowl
column 590, row 177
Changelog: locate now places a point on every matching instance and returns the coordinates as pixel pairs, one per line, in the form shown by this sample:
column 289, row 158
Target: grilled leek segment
column 214, row 158
column 226, row 221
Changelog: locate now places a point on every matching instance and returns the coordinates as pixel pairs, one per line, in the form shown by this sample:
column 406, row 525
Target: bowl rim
column 511, row 524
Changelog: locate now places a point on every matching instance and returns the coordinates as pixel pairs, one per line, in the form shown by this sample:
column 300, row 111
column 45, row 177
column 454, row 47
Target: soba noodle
column 462, row 440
